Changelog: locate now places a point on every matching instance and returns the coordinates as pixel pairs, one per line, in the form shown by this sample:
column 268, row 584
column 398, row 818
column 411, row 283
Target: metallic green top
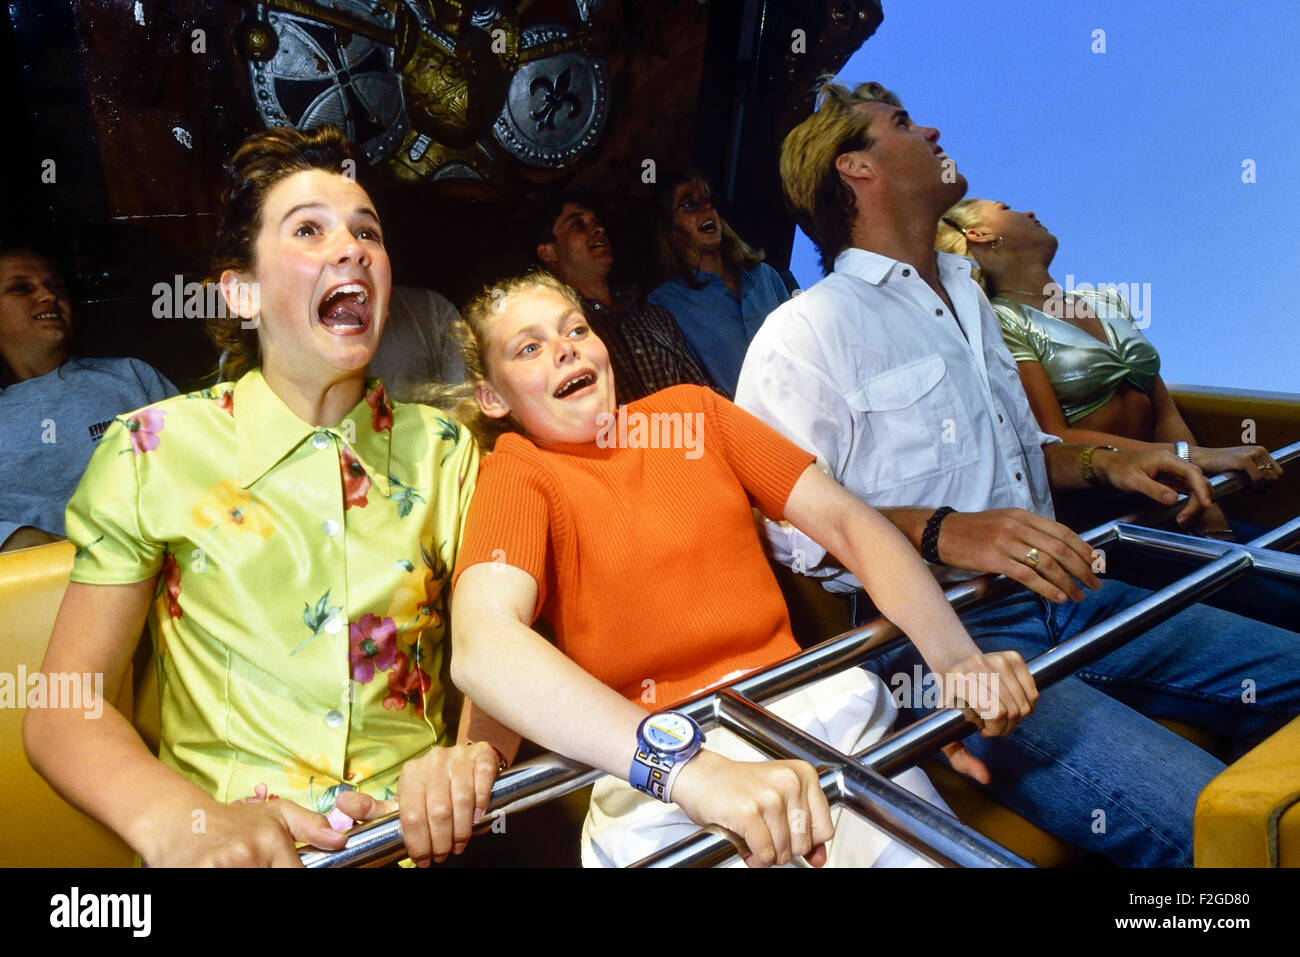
column 1084, row 371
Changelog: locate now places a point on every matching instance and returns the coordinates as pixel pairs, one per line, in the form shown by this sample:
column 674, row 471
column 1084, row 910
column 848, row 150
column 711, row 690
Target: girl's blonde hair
column 951, row 234
column 472, row 333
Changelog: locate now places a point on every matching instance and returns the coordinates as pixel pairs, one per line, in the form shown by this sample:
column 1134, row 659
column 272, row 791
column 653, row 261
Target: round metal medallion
column 557, row 106
column 317, row 77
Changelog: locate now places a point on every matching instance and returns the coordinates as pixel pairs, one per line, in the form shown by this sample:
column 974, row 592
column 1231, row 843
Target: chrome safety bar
column 903, row 748
column 1270, row 563
column 897, row 811
column 864, row 786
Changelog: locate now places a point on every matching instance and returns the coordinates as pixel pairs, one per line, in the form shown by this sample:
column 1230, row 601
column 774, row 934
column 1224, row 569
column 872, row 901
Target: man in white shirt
column 893, row 371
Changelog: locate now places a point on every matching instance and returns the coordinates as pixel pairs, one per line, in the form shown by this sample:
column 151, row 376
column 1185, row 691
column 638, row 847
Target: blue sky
column 1133, row 157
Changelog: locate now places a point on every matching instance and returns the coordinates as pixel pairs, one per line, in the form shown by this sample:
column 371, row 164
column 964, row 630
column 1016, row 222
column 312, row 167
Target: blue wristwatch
column 664, row 743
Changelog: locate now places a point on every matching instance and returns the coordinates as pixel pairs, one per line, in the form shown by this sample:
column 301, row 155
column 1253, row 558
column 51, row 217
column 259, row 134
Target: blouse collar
column 266, row 431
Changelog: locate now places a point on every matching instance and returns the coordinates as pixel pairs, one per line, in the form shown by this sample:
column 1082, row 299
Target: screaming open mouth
column 346, row 308
column 570, row 386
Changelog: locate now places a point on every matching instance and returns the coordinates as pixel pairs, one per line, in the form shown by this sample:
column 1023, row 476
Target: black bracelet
column 930, row 537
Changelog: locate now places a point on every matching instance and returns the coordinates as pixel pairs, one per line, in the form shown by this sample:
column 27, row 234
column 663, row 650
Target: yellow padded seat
column 40, row 828
column 1249, row 816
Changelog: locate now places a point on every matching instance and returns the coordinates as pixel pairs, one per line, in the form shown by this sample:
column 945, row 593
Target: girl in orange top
column 631, row 533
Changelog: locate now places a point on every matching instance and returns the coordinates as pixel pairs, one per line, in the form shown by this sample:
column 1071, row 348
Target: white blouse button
column 320, row 440
column 334, row 718
column 330, row 528
column 333, row 624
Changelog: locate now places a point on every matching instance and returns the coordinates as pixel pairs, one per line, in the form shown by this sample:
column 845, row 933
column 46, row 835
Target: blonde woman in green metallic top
column 1089, row 372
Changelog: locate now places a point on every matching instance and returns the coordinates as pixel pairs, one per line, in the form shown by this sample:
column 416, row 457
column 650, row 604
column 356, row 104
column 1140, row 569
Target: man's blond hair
column 820, row 201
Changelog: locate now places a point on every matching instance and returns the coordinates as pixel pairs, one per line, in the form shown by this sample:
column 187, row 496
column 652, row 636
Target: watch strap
column 930, row 535
column 651, row 772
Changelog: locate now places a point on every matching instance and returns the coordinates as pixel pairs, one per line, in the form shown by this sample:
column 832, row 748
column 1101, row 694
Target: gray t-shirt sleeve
column 53, row 423
column 153, row 383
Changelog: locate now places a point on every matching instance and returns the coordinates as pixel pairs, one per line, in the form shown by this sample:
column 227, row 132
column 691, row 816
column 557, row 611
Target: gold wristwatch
column 1085, row 461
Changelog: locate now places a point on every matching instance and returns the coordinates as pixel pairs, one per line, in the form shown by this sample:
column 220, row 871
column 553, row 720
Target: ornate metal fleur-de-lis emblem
column 558, row 95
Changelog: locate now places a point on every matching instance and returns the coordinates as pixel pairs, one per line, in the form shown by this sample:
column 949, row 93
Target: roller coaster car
column 1249, row 816
column 46, row 831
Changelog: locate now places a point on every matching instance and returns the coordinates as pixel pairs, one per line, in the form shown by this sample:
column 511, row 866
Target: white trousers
column 849, row 711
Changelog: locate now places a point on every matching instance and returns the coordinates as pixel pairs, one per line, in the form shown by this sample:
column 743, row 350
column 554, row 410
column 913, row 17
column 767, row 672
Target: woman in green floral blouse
column 288, row 536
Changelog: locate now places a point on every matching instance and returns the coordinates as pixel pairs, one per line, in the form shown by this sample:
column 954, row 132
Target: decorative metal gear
column 557, row 105
column 317, row 77
column 437, row 88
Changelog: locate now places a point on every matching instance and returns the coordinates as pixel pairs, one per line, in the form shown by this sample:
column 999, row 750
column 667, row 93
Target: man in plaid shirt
column 645, row 345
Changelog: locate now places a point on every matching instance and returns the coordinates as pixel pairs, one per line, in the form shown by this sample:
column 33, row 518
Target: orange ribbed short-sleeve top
column 643, row 544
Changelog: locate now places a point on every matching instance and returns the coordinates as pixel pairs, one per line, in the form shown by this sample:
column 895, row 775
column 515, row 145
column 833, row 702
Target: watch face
column 669, row 732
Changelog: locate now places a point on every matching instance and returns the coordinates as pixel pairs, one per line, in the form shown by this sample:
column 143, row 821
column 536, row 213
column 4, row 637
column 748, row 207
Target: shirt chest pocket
column 913, row 424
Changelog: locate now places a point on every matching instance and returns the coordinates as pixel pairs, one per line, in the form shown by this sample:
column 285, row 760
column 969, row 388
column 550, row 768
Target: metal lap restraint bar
column 861, row 781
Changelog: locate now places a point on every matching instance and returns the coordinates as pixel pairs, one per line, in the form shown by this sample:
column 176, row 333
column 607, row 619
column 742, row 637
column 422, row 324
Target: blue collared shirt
column 717, row 328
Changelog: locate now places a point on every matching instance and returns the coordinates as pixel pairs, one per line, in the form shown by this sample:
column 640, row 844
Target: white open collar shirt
column 869, row 371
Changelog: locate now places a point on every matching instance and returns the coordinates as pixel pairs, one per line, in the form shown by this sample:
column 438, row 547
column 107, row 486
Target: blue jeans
column 1087, row 765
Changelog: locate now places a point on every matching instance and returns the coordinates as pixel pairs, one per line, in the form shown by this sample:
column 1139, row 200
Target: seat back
column 1249, row 816
column 41, row 829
